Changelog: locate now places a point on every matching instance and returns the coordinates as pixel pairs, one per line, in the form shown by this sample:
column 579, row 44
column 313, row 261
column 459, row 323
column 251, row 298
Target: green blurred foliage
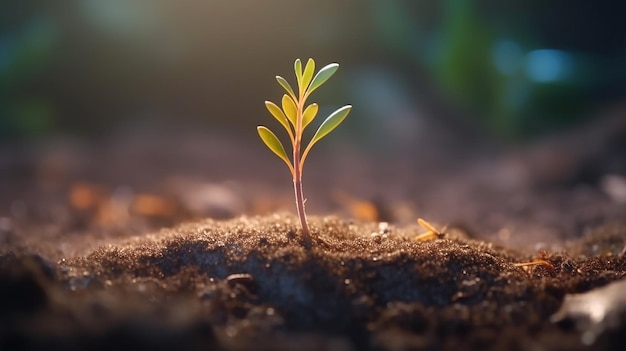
column 463, row 66
column 518, row 68
column 23, row 56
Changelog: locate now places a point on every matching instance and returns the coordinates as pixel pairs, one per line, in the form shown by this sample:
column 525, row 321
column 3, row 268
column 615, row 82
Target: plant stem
column 297, row 174
column 297, row 188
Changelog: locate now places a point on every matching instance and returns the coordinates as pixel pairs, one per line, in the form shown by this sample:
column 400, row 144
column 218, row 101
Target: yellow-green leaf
column 272, row 142
column 330, row 123
column 289, row 107
column 285, row 84
column 309, row 69
column 322, row 76
column 309, row 114
column 297, row 67
column 327, row 126
column 278, row 114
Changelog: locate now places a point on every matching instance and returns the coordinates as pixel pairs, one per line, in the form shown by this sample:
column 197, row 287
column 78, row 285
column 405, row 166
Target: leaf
column 322, row 76
column 426, row 225
column 285, row 84
column 297, row 67
column 289, row 107
column 279, row 115
column 309, row 114
column 272, row 142
column 327, row 126
column 309, row 69
column 330, row 123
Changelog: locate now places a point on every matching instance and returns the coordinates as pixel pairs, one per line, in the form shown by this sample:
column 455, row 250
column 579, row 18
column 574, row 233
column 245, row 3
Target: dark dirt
column 249, row 283
column 84, row 263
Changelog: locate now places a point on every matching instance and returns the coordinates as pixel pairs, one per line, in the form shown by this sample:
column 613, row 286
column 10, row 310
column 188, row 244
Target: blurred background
column 516, row 69
column 429, row 81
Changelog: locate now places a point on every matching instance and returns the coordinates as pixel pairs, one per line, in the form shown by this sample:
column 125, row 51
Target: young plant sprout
column 542, row 259
column 431, row 231
column 534, row 263
column 295, row 116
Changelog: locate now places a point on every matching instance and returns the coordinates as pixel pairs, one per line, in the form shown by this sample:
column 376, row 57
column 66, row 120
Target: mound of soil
column 250, row 283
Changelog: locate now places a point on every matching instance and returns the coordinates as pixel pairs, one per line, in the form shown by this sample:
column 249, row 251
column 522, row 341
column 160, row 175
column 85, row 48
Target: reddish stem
column 297, row 188
column 297, row 174
column 301, row 213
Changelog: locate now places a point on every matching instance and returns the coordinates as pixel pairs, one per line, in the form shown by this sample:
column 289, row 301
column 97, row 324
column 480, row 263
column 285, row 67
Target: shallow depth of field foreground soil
column 249, row 283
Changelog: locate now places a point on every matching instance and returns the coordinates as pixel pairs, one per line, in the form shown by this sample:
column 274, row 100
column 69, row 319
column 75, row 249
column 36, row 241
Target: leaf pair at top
column 294, row 117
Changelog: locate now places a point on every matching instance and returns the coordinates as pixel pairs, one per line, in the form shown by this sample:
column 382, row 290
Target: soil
column 105, row 250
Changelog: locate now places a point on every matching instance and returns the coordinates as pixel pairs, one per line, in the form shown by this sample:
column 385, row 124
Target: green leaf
column 278, row 114
column 330, row 123
column 309, row 114
column 272, row 142
column 285, row 84
column 322, row 76
column 297, row 67
column 309, row 69
column 289, row 107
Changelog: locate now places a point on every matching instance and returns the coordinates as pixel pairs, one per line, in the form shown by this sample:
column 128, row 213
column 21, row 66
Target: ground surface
column 249, row 283
column 84, row 263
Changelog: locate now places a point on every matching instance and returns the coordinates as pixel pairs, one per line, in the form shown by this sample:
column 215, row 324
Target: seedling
column 431, row 231
column 534, row 263
column 295, row 116
column 542, row 259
